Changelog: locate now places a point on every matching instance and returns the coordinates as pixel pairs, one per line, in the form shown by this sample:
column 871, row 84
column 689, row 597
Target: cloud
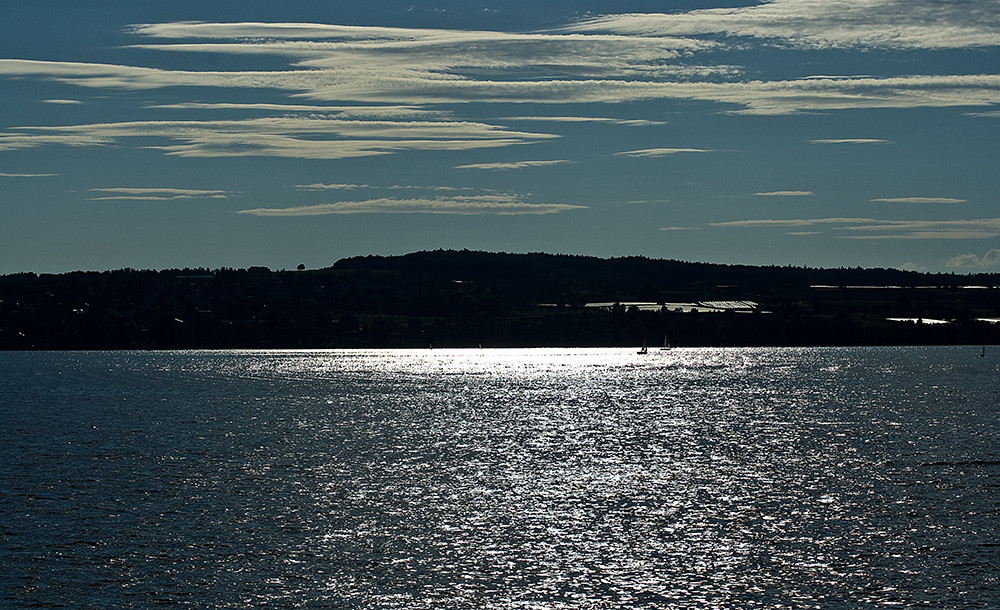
column 395, row 187
column 946, row 200
column 400, row 53
column 907, row 24
column 156, row 194
column 678, row 228
column 791, row 222
column 365, row 74
column 784, row 194
column 582, row 119
column 659, row 152
column 502, row 205
column 850, row 141
column 513, row 165
column 296, row 137
column 894, row 24
column 63, row 102
column 850, row 228
column 959, row 229
column 6, row 175
column 332, row 187
column 23, row 141
column 988, row 261
column 346, row 112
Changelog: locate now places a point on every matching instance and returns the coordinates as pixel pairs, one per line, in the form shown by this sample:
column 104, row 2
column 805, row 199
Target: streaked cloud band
column 870, row 228
column 466, row 206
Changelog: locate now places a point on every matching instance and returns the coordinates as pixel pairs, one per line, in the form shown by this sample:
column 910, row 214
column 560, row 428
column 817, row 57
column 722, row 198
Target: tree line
column 468, row 298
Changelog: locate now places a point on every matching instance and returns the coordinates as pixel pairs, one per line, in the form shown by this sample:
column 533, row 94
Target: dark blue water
column 742, row 478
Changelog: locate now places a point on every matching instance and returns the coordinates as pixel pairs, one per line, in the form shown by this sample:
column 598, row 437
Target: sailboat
column 982, row 354
column 643, row 349
column 666, row 342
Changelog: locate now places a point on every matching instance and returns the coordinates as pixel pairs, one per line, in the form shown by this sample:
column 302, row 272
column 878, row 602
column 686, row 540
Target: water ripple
column 806, row 478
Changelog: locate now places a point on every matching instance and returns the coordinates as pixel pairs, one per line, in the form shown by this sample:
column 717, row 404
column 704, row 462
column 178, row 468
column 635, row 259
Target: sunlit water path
column 701, row 478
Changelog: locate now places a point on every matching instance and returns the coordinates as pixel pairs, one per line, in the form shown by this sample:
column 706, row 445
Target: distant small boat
column 982, row 354
column 666, row 342
column 643, row 349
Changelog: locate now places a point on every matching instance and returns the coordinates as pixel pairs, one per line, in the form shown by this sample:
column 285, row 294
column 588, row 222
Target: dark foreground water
column 740, row 478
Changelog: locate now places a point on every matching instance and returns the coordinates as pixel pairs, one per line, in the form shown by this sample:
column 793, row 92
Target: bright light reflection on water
column 694, row 478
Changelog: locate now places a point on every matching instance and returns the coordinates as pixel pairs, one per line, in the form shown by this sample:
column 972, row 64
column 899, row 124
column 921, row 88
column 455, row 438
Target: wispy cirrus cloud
column 500, row 205
column 584, row 119
column 944, row 200
column 514, row 164
column 850, row 141
column 343, row 112
column 325, row 45
column 659, row 152
column 622, row 58
column 427, row 87
column 295, row 137
column 155, row 194
column 895, row 24
column 791, row 222
column 875, row 229
column 395, row 187
column 332, row 187
column 8, row 175
column 784, row 194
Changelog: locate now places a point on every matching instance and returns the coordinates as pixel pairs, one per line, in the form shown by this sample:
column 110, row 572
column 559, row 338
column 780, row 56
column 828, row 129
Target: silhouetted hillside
column 462, row 298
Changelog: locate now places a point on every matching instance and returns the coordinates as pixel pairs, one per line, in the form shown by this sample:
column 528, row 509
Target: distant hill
column 468, row 298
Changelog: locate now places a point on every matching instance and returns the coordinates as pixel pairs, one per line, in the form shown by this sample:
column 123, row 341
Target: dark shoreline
column 471, row 299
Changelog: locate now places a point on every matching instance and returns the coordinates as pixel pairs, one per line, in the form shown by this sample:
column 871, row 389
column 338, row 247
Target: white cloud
column 401, row 53
column 23, row 141
column 946, row 200
column 297, row 137
column 332, row 187
column 974, row 262
column 659, row 152
column 156, row 194
column 583, row 119
column 791, row 222
column 930, row 229
column 898, row 24
column 345, row 112
column 6, row 175
column 360, row 77
column 850, row 141
column 885, row 229
column 784, row 194
column 503, row 205
column 394, row 187
column 63, row 102
column 513, row 165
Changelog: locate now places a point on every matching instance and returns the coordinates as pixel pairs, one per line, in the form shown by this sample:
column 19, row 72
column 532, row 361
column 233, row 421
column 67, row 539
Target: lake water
column 689, row 478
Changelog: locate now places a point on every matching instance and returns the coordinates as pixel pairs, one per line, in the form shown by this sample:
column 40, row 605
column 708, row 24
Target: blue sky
column 223, row 133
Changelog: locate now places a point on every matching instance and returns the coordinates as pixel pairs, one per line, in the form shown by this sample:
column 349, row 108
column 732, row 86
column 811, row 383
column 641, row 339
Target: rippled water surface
column 702, row 478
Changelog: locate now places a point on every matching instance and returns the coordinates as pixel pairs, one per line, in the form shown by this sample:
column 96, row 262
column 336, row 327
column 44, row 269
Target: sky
column 225, row 133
